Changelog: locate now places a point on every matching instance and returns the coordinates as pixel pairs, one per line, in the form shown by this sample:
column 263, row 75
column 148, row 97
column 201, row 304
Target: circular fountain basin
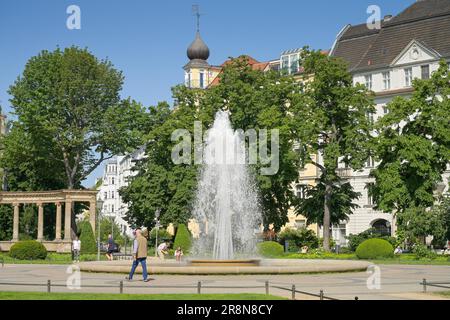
column 229, row 267
column 224, row 263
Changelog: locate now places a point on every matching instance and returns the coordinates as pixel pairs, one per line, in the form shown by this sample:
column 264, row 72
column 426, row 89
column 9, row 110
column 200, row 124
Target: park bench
column 122, row 256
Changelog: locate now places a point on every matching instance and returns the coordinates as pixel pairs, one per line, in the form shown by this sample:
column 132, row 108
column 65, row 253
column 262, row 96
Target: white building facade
column 117, row 172
column 407, row 46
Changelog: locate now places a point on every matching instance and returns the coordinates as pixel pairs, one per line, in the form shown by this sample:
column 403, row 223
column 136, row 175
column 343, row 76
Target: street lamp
column 157, row 212
column 99, row 211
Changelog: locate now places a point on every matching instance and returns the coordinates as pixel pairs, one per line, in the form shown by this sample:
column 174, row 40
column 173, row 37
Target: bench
column 122, row 256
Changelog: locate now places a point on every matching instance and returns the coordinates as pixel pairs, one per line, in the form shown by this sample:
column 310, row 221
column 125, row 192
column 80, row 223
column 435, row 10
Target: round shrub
column 270, row 249
column 182, row 239
column 28, row 250
column 88, row 243
column 374, row 248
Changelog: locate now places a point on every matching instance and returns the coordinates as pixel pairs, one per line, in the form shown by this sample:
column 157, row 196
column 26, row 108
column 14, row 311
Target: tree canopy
column 413, row 146
column 332, row 119
column 256, row 100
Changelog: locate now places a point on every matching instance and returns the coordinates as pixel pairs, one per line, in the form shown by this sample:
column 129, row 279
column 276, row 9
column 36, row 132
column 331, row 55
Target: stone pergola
column 40, row 198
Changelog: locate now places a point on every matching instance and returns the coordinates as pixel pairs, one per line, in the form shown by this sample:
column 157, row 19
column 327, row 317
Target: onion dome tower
column 198, row 73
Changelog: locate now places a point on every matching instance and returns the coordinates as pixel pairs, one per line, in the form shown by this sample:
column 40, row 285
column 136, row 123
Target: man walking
column 139, row 255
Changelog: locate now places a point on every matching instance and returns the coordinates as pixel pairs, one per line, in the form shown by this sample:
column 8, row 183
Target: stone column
column 92, row 215
column 16, row 222
column 58, row 221
column 40, row 236
column 67, row 222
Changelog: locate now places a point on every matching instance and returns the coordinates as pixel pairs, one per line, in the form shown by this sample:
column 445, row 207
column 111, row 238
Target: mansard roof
column 426, row 21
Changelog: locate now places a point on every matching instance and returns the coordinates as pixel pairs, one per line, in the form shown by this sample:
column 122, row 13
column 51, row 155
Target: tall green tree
column 413, row 146
column 70, row 118
column 256, row 100
column 332, row 122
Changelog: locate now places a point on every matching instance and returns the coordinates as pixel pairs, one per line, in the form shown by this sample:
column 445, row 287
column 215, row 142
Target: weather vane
column 196, row 12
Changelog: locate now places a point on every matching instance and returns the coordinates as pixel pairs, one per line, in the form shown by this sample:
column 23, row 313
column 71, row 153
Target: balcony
column 344, row 172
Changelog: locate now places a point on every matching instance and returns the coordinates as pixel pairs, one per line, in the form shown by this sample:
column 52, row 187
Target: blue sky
column 147, row 40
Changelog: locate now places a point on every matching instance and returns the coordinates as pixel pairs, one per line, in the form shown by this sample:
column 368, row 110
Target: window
column 112, row 208
column 408, row 77
column 385, row 110
column 387, row 80
column 290, row 63
column 300, row 191
column 285, row 63
column 112, row 180
column 294, row 64
column 112, row 194
column 369, row 188
column 105, row 194
column 425, row 71
column 370, row 163
column 368, row 79
column 202, row 79
column 300, row 223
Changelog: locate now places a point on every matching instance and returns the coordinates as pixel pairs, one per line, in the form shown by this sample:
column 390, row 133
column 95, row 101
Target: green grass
column 5, row 295
column 402, row 259
column 52, row 258
column 445, row 294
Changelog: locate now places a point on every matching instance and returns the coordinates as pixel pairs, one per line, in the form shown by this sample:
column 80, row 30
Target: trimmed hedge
column 375, row 248
column 270, row 249
column 28, row 250
column 87, row 238
column 182, row 239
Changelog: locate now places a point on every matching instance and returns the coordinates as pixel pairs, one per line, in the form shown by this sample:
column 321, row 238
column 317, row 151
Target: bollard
column 424, row 285
column 199, row 287
column 293, row 292
column 121, row 286
column 321, row 294
column 356, row 298
column 267, row 287
column 49, row 285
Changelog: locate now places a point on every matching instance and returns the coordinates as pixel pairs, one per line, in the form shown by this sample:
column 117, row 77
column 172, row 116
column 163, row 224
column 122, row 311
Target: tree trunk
column 327, row 217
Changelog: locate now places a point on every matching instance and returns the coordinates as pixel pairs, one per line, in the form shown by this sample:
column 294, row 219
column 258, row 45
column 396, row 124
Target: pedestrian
column 110, row 247
column 178, row 254
column 76, row 247
column 162, row 250
column 139, row 255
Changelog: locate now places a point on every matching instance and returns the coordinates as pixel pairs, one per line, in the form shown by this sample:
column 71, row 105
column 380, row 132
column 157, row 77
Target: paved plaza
column 397, row 282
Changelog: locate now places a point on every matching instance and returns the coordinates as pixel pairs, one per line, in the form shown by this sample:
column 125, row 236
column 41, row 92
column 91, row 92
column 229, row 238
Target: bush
column 300, row 237
column 88, row 243
column 422, row 252
column 183, row 239
column 270, row 249
column 354, row 240
column 28, row 250
column 375, row 248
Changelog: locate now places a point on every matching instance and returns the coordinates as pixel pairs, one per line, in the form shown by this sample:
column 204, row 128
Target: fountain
column 226, row 207
column 226, row 204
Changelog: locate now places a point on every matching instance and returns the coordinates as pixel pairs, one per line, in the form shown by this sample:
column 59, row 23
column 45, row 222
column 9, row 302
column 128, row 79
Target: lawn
column 5, row 295
column 445, row 294
column 402, row 259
